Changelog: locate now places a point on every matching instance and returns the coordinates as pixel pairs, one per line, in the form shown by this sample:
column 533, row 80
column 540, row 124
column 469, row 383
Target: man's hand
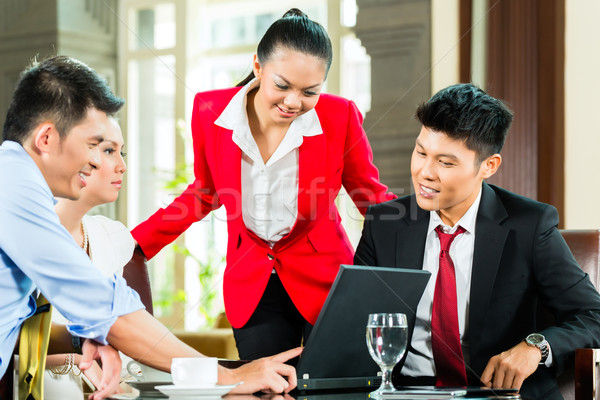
column 268, row 374
column 111, row 367
column 510, row 368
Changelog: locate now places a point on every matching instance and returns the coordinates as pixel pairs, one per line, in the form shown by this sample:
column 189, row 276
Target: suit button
column 271, row 256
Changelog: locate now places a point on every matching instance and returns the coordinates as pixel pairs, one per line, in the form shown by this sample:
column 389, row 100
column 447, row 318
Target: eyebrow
column 113, row 143
column 289, row 83
column 451, row 156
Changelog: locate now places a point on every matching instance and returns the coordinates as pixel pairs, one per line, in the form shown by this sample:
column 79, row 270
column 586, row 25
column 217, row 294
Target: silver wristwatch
column 539, row 341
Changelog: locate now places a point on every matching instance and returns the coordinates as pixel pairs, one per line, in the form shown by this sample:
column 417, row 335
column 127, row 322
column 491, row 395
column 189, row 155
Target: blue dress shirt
column 36, row 251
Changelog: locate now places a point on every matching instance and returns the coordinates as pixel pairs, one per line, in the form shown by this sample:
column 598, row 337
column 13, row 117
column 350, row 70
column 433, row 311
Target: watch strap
column 543, row 346
column 76, row 343
column 544, row 349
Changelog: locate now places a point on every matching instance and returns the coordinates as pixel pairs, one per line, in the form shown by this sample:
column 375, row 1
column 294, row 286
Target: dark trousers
column 275, row 326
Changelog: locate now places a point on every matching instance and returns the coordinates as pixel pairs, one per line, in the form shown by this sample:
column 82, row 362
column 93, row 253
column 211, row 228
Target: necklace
column 85, row 237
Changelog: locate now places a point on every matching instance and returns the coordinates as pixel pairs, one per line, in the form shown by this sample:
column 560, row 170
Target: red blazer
column 308, row 258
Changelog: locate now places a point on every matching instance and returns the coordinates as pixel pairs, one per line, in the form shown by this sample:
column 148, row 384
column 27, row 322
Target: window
column 171, row 50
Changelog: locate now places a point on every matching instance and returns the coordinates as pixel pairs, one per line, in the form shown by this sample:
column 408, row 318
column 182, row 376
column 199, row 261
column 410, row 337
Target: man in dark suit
column 493, row 255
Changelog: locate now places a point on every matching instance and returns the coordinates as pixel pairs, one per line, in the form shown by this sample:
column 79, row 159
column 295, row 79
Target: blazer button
column 271, row 256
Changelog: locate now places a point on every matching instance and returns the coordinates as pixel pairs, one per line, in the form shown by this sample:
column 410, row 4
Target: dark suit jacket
column 520, row 258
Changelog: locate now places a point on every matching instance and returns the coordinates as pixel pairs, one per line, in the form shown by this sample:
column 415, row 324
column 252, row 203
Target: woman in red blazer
column 275, row 153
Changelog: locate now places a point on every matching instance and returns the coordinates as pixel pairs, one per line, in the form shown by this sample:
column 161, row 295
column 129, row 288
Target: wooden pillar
column 525, row 67
column 86, row 30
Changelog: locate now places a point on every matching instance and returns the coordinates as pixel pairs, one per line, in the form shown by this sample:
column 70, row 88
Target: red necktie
column 445, row 336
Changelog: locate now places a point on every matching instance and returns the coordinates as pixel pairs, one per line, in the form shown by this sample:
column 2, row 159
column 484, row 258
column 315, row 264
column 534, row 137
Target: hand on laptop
column 510, row 368
column 268, row 374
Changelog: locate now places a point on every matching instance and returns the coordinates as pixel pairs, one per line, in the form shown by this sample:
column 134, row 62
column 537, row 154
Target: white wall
column 444, row 44
column 582, row 107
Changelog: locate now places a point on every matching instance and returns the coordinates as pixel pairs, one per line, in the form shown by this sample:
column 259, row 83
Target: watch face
column 535, row 338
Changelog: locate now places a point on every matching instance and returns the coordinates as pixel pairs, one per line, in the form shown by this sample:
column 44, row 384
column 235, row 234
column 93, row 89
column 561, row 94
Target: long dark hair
column 294, row 31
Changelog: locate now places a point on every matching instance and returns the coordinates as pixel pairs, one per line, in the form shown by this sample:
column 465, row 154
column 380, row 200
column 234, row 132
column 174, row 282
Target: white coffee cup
column 144, row 373
column 195, row 371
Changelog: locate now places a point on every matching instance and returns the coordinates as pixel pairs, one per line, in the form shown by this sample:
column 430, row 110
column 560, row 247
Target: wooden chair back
column 135, row 273
column 581, row 382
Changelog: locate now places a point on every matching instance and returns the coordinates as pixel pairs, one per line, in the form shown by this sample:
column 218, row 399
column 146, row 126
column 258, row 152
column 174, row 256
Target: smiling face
column 104, row 184
column 290, row 85
column 68, row 162
column 446, row 174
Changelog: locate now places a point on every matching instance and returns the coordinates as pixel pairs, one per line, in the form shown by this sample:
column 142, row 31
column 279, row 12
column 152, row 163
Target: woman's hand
column 268, row 374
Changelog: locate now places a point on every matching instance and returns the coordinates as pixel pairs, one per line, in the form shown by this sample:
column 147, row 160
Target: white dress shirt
column 269, row 190
column 419, row 360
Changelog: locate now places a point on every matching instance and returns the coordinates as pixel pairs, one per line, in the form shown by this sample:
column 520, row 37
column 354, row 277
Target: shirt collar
column 234, row 116
column 12, row 145
column 467, row 221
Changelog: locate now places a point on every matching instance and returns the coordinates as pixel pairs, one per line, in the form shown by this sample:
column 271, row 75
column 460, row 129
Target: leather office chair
column 581, row 383
column 135, row 273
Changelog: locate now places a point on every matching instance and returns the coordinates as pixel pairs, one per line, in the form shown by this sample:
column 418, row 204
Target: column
column 397, row 36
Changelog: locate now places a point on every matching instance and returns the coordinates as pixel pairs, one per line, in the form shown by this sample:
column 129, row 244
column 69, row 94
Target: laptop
column 335, row 355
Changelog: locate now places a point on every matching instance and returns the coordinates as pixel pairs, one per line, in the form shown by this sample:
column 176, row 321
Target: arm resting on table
column 143, row 338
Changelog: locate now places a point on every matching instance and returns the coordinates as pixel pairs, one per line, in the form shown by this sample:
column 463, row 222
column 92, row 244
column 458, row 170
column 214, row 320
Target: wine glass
column 386, row 340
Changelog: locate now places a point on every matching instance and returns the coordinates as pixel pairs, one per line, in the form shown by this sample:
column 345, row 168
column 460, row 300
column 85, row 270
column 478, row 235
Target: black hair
column 59, row 89
column 465, row 112
column 294, row 31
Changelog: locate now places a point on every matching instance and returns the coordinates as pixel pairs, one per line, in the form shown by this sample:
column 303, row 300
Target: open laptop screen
column 336, row 350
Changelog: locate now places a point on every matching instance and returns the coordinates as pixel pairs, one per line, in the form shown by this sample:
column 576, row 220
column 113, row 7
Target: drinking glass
column 386, row 340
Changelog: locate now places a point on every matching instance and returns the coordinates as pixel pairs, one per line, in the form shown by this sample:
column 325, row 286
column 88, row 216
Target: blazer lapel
column 490, row 238
column 230, row 165
column 410, row 243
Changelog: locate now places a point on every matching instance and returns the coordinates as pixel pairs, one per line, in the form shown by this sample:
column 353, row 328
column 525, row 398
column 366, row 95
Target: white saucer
column 217, row 390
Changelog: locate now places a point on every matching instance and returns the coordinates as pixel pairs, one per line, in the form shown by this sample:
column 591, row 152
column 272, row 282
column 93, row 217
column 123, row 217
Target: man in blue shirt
column 58, row 116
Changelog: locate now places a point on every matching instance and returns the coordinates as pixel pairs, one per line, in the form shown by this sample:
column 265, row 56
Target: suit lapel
column 410, row 248
column 410, row 243
column 230, row 164
column 227, row 163
column 490, row 238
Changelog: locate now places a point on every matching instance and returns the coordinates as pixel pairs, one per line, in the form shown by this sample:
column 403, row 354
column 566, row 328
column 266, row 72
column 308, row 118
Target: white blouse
column 269, row 190
column 111, row 244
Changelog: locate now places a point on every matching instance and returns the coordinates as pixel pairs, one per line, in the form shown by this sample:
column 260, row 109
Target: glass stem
column 386, row 380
